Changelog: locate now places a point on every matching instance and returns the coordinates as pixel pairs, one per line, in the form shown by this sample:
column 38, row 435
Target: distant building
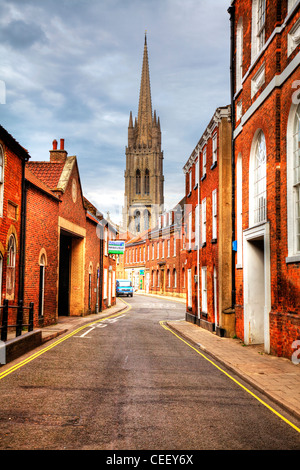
column 144, row 181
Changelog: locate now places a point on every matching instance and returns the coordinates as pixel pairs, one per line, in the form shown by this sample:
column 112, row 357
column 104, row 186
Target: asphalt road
column 128, row 384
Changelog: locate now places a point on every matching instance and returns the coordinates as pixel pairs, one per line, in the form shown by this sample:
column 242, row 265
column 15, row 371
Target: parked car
column 124, row 287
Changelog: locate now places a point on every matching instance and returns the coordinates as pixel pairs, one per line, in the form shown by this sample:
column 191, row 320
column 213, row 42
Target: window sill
column 214, row 165
column 196, row 186
column 189, row 195
column 203, row 245
column 203, row 177
column 292, row 259
column 213, row 241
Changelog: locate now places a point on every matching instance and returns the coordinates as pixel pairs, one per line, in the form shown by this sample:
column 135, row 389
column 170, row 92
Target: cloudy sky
column 71, row 69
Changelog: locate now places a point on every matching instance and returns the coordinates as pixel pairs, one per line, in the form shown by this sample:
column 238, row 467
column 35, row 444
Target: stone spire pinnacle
column 145, row 104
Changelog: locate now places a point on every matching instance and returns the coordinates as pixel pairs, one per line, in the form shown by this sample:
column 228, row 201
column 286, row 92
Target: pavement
column 277, row 378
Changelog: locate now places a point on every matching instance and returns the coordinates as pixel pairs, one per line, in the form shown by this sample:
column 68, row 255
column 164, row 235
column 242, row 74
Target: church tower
column 144, row 180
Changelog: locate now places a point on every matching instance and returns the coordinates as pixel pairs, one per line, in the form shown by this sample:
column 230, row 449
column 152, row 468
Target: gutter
column 22, row 233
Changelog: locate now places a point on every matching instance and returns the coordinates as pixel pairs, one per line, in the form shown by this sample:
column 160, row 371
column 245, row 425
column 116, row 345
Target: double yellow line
column 232, row 378
column 20, row 364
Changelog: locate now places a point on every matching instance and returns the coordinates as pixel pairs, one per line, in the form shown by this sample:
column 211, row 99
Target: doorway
column 64, row 275
column 257, row 289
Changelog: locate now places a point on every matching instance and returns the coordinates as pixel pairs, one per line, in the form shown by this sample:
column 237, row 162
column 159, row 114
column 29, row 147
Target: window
column 42, row 285
column 258, row 26
column 197, row 226
column 169, row 278
column 174, row 245
column 157, row 250
column 168, row 248
column 138, row 182
column 197, row 172
column 11, row 267
column 174, row 278
column 147, row 182
column 1, row 180
column 190, row 230
column 190, row 181
column 214, row 214
column 152, row 250
column 105, row 284
column 148, row 252
column 215, row 148
column 203, row 221
column 296, row 182
column 204, row 289
column 239, row 54
column 239, row 210
column 146, row 219
column 204, row 162
column 158, row 278
column 137, row 219
column 105, row 241
column 258, row 183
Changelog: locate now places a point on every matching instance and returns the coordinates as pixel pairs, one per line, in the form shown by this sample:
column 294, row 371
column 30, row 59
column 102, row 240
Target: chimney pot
column 54, row 144
column 62, row 144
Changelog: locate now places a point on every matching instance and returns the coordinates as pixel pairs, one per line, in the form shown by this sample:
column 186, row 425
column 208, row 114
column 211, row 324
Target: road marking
column 20, row 364
column 84, row 334
column 232, row 378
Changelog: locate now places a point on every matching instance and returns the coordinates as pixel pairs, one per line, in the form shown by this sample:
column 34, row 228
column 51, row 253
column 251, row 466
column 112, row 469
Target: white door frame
column 258, row 232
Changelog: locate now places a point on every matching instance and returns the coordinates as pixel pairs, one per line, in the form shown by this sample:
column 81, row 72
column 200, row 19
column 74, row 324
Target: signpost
column 116, row 247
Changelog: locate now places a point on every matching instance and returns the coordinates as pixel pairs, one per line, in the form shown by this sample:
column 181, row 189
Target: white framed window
column 258, row 26
column 1, row 180
column 157, row 250
column 215, row 148
column 105, row 284
column 204, row 162
column 197, row 172
column 174, row 245
column 239, row 210
column 197, row 225
column 169, row 277
column 158, row 278
column 214, row 213
column 204, row 289
column 174, row 278
column 203, row 222
column 148, row 252
column 239, row 54
column 168, row 248
column 105, row 241
column 296, row 181
column 42, row 285
column 190, row 181
column 190, row 230
column 258, row 177
column 152, row 250
column 162, row 248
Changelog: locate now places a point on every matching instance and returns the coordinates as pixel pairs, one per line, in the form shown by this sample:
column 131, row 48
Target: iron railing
column 19, row 320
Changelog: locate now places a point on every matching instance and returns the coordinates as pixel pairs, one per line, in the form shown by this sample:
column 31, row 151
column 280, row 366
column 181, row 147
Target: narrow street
column 128, row 384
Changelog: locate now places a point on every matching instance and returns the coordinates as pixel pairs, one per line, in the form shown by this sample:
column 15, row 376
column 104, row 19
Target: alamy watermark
column 296, row 94
column 2, row 353
column 296, row 354
column 2, row 92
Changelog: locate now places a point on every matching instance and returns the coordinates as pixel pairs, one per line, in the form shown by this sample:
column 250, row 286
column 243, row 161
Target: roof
column 32, row 178
column 48, row 173
column 11, row 142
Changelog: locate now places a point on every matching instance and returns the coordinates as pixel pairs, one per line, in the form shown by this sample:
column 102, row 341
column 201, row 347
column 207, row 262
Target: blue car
column 124, row 287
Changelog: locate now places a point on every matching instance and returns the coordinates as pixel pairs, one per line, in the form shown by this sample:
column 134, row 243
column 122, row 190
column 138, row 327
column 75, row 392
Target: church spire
column 145, row 104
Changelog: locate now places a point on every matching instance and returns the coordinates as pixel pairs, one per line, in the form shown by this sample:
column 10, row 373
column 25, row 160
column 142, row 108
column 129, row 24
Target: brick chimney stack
column 58, row 156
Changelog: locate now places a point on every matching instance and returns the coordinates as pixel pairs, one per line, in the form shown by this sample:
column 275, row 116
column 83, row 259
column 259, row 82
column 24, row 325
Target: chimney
column 58, row 156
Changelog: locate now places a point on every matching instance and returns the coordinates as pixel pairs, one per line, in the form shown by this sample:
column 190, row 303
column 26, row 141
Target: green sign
column 116, row 247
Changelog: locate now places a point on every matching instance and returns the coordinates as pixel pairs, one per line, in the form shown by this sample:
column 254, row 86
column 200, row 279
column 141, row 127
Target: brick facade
column 265, row 103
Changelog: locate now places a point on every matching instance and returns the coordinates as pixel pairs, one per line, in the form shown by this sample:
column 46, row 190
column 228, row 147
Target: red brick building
column 208, row 236
column 68, row 268
column 155, row 260
column 266, row 117
column 13, row 158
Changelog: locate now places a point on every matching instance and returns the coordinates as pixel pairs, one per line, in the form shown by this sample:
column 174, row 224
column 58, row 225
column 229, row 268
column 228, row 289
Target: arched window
column 174, row 278
column 146, row 219
column 138, row 182
column 293, row 182
column 11, row 266
column 257, row 187
column 147, row 182
column 137, row 219
column 296, row 149
column 239, row 210
column 169, row 278
column 42, row 285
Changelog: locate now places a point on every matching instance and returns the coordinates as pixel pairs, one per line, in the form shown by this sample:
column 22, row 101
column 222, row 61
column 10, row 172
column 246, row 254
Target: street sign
column 116, row 247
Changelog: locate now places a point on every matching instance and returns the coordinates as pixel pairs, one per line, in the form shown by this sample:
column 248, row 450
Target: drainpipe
column 101, row 268
column 22, row 234
column 198, row 247
column 231, row 11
